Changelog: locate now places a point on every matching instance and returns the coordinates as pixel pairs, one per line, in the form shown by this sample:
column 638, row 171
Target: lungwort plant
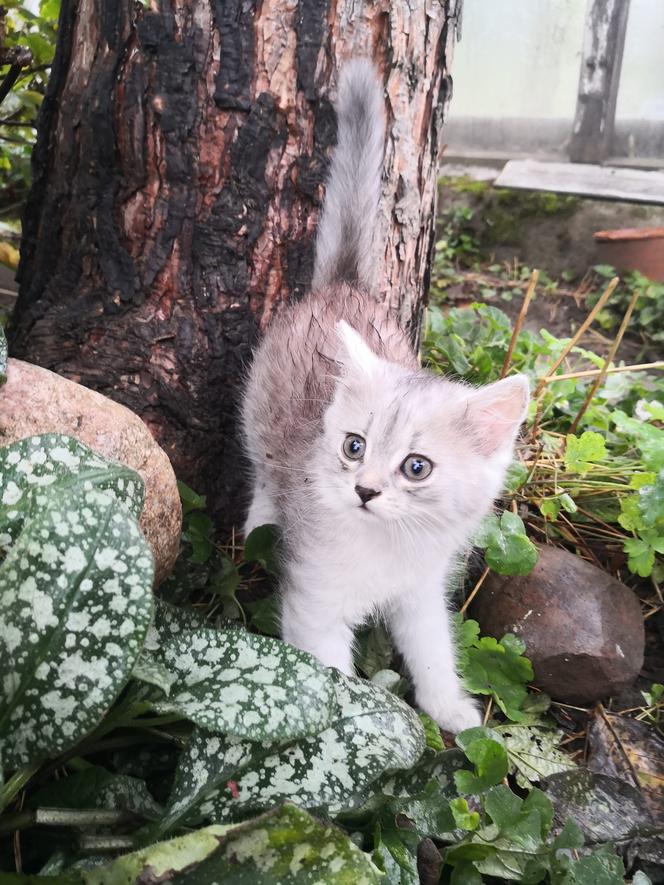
column 146, row 741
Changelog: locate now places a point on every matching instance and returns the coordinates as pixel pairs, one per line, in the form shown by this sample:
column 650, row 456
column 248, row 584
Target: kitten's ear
column 354, row 353
column 496, row 411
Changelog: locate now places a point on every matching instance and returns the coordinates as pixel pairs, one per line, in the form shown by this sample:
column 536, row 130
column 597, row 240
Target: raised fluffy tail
column 344, row 242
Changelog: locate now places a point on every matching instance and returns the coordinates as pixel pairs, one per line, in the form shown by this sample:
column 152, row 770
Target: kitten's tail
column 348, row 219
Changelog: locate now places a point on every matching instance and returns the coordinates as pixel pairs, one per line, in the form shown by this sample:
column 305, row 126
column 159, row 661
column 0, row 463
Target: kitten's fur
column 338, row 363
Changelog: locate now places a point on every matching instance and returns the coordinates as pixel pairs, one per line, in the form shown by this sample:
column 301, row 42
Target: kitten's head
column 413, row 449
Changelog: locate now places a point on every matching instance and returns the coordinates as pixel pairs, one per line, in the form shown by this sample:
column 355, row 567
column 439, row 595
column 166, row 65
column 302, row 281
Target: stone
column 34, row 401
column 583, row 629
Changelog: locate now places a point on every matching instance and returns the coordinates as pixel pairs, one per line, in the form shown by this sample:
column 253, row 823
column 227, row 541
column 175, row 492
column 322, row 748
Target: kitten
column 377, row 471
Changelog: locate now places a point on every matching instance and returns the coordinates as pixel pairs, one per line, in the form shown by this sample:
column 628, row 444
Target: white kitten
column 377, row 472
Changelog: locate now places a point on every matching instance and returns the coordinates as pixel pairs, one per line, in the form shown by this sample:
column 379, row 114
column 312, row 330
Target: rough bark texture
column 179, row 167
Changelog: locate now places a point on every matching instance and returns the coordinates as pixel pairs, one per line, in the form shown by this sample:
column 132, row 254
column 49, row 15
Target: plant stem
column 16, row 783
column 519, row 321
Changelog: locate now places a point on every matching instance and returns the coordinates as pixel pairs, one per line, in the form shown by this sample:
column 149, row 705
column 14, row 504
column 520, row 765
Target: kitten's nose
column 365, row 494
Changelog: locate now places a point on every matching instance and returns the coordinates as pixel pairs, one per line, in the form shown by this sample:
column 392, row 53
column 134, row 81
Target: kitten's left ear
column 496, row 411
column 354, row 353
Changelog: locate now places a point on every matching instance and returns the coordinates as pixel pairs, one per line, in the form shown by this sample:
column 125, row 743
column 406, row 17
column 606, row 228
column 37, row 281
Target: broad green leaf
column 285, row 846
column 191, row 500
column 581, row 452
column 244, row 685
column 33, row 468
column 372, row 732
column 647, row 438
column 76, row 598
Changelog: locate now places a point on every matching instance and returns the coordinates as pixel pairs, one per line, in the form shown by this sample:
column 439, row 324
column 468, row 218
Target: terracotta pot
column 639, row 249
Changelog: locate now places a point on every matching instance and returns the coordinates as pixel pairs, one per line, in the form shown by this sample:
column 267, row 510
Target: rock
column 35, row 400
column 583, row 629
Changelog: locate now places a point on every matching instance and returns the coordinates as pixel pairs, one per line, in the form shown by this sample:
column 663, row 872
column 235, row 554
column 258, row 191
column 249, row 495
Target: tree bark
column 179, row 167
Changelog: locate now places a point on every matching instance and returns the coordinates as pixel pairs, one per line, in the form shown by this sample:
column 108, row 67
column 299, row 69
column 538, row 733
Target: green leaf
column 33, row 468
column 285, row 846
column 508, row 550
column 498, row 669
column 581, row 452
column 517, row 474
column 372, row 732
column 76, row 598
column 464, row 818
column 191, row 500
column 262, row 547
column 640, row 556
column 534, row 752
column 489, row 758
column 244, row 685
column 651, row 502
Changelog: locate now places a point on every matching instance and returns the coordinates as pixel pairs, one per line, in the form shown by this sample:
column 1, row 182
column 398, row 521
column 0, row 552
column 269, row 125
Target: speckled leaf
column 374, row 732
column 76, row 599
column 32, row 468
column 206, row 766
column 244, row 685
column 286, row 846
column 534, row 753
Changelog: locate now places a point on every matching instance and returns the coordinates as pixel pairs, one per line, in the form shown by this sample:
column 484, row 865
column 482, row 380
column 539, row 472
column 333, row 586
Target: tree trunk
column 179, row 167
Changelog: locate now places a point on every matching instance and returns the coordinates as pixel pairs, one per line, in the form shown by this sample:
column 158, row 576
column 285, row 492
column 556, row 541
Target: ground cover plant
column 175, row 735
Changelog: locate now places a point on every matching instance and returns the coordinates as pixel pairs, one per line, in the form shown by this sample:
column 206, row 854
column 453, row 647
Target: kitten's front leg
column 311, row 621
column 421, row 628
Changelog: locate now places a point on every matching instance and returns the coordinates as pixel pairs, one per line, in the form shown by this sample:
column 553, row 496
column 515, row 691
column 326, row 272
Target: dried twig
column 591, row 373
column 609, row 358
column 475, row 590
column 606, row 294
column 530, row 291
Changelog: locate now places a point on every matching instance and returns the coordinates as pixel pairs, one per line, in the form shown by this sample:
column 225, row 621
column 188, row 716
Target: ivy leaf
column 286, row 845
column 508, row 550
column 651, row 502
column 517, row 474
column 640, row 556
column 489, row 757
column 581, row 452
column 76, row 599
column 498, row 669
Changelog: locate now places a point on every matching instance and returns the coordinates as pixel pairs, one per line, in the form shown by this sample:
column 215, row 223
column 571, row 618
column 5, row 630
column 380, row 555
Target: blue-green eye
column 354, row 446
column 416, row 467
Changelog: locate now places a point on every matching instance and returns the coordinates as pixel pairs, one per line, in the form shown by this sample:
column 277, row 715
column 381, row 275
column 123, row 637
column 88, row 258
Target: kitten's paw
column 454, row 714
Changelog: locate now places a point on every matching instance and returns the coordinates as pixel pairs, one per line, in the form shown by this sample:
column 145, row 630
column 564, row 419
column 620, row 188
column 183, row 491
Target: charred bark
column 181, row 153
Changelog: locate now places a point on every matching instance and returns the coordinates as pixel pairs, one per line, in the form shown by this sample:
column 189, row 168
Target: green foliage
column 609, row 469
column 493, row 668
column 647, row 322
column 19, row 110
column 507, row 548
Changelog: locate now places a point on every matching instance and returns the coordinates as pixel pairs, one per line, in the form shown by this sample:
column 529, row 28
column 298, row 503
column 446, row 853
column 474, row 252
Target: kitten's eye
column 354, row 447
column 416, row 467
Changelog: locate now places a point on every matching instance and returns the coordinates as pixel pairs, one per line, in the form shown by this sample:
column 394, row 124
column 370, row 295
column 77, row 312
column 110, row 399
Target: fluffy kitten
column 377, row 471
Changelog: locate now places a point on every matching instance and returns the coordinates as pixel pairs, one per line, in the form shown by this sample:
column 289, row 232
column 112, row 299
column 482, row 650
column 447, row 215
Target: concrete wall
column 516, row 75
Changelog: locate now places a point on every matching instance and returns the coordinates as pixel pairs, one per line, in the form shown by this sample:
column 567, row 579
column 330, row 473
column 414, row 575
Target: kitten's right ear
column 354, row 353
